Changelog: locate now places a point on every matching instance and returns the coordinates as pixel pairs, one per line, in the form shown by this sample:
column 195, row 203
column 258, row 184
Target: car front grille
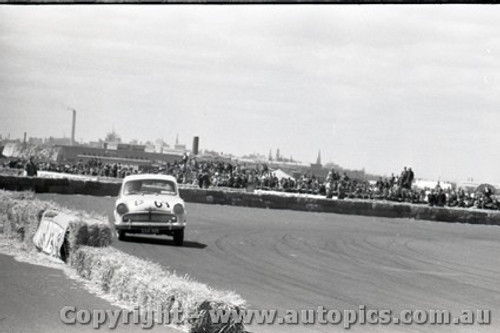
column 149, row 217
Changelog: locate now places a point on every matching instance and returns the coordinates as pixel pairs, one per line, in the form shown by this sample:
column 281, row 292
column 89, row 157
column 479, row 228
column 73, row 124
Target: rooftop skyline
column 374, row 87
column 187, row 145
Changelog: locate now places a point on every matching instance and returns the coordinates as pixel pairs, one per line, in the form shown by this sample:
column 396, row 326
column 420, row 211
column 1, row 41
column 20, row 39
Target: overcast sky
column 374, row 87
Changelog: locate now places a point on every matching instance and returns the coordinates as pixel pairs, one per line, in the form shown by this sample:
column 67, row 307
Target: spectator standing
column 409, row 178
column 441, row 198
column 31, row 168
column 114, row 171
column 403, row 177
column 392, row 181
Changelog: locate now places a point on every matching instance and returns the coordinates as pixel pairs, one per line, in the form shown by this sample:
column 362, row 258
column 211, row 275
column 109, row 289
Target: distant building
column 468, row 185
column 119, row 153
column 422, row 184
column 317, row 168
column 180, row 147
column 150, row 148
column 36, row 141
column 96, row 144
column 158, row 147
column 57, row 141
column 123, row 146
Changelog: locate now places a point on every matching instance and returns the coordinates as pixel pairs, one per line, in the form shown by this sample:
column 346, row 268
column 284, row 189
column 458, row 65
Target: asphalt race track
column 300, row 260
column 32, row 297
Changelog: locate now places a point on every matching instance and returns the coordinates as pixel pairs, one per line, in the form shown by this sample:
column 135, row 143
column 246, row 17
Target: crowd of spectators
column 229, row 174
column 92, row 167
column 205, row 174
column 460, row 198
column 402, row 189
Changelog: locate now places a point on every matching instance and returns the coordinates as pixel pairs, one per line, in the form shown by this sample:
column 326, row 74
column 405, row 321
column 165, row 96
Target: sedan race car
column 150, row 204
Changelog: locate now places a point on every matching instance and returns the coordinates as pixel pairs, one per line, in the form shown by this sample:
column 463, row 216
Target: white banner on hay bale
column 49, row 236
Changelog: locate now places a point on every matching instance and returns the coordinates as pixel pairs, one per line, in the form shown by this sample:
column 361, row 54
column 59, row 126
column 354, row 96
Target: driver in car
column 133, row 187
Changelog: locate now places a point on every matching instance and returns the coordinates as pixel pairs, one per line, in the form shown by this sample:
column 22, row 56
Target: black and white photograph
column 237, row 168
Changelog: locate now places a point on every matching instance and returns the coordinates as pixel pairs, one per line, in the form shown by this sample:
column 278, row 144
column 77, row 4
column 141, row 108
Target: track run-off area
column 278, row 259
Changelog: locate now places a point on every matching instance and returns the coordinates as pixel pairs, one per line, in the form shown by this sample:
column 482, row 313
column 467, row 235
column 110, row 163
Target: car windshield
column 149, row 186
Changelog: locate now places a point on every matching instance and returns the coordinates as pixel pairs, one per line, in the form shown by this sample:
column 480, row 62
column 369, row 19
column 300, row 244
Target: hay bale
column 93, row 234
column 203, row 322
column 140, row 282
column 21, row 216
column 80, row 262
column 88, row 229
column 77, row 234
column 105, row 236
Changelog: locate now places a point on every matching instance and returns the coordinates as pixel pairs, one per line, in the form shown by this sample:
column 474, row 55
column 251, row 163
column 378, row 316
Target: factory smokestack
column 73, row 128
column 196, row 141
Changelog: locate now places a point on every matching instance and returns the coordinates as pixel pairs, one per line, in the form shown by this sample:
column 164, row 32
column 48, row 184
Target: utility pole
column 73, row 125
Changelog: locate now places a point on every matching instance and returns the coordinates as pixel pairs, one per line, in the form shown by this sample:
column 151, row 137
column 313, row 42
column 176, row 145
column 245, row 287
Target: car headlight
column 121, row 209
column 178, row 209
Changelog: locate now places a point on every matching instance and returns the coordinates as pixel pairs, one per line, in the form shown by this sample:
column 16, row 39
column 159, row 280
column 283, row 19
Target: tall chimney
column 196, row 141
column 73, row 128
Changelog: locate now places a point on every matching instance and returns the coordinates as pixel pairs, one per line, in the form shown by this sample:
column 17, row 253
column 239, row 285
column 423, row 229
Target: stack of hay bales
column 22, row 214
column 130, row 279
column 89, row 230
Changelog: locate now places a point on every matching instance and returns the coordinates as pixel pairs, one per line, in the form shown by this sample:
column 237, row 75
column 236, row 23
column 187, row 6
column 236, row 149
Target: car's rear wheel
column 179, row 237
column 121, row 234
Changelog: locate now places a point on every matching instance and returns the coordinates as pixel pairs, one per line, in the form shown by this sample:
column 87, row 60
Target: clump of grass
column 5, row 195
column 143, row 283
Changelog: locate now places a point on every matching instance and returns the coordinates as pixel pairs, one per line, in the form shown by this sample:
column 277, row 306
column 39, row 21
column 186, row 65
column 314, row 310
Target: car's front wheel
column 179, row 237
column 121, row 234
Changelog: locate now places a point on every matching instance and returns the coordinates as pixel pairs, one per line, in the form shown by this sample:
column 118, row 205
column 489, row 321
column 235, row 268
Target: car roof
column 150, row 176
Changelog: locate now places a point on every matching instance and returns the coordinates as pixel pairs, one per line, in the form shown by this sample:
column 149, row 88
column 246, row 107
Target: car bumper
column 149, row 228
column 149, row 225
column 129, row 223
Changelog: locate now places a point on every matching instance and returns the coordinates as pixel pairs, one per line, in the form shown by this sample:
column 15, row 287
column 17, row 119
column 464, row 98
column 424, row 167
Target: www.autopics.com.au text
column 147, row 318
